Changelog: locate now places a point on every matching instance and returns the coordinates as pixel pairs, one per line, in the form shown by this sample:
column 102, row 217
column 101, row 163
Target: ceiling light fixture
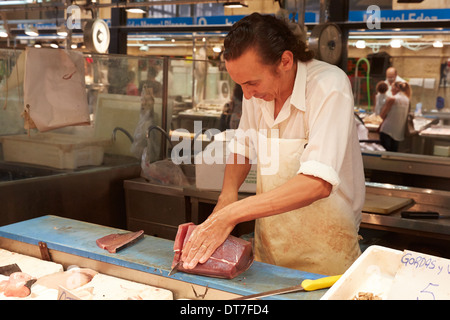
column 135, row 10
column 438, row 44
column 62, row 31
column 396, row 43
column 31, row 31
column 234, row 5
column 54, row 45
column 3, row 32
column 387, row 36
column 360, row 44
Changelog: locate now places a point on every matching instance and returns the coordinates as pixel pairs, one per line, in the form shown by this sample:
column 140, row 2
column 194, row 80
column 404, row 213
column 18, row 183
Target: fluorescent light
column 3, row 33
column 234, row 5
column 135, row 10
column 384, row 37
column 31, row 31
column 62, row 31
column 360, row 44
column 396, row 43
column 438, row 44
column 13, row 2
column 217, row 49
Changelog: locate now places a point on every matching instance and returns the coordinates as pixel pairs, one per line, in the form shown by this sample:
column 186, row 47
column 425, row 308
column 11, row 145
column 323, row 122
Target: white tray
column 373, row 272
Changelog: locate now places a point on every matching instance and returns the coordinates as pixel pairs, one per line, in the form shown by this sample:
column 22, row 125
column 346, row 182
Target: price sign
column 421, row 277
column 64, row 294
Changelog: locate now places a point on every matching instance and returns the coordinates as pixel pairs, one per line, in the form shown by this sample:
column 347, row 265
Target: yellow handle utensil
column 306, row 285
column 322, row 283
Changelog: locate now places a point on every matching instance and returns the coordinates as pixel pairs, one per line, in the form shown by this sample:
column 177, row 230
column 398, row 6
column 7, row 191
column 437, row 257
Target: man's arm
column 236, row 171
column 298, row 192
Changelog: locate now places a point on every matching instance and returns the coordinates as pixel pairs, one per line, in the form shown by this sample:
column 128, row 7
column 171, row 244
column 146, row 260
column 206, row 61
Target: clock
column 96, row 36
column 326, row 42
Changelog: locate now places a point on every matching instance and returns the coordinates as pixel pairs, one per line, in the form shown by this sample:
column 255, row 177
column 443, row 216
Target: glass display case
column 128, row 94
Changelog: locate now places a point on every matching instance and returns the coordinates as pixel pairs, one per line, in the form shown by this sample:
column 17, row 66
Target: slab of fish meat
column 71, row 279
column 230, row 259
column 17, row 285
column 117, row 241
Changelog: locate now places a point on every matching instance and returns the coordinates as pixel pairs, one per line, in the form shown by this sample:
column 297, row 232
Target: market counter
column 72, row 242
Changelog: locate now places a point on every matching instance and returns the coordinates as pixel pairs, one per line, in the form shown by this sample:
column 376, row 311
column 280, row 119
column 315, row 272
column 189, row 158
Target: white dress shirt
column 320, row 109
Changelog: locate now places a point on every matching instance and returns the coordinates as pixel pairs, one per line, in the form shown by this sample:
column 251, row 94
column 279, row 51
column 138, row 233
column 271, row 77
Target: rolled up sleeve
column 330, row 129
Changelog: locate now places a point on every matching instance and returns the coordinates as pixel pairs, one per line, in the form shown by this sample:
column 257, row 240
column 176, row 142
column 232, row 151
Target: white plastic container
column 209, row 170
column 61, row 151
column 373, row 272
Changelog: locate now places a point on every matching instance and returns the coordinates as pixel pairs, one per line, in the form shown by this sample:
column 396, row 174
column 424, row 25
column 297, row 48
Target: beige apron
column 320, row 238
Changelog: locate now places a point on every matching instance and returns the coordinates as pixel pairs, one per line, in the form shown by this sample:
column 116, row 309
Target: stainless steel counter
column 423, row 200
column 196, row 200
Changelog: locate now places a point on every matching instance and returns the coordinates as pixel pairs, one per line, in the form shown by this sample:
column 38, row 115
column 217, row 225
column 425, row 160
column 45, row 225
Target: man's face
column 390, row 76
column 256, row 79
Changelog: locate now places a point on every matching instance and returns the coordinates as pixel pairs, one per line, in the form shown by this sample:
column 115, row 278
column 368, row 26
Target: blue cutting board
column 151, row 254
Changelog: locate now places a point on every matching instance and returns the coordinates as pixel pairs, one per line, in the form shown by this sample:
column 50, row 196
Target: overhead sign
column 146, row 22
column 310, row 17
column 402, row 15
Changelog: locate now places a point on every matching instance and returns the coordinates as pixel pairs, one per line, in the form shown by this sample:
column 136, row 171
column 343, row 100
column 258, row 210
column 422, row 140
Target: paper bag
column 54, row 88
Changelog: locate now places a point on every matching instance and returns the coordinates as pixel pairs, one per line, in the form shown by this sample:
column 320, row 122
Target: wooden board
column 376, row 203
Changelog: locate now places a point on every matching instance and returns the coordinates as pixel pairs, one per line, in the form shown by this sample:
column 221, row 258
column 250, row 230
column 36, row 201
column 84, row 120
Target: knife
column 423, row 215
column 175, row 268
column 306, row 285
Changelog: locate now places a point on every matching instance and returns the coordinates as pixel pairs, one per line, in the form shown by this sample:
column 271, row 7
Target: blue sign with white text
column 401, row 15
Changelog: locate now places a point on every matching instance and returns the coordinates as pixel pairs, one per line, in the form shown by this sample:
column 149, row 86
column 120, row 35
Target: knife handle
column 420, row 214
column 326, row 282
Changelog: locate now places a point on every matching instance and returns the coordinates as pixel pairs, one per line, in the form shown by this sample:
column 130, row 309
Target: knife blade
column 175, row 268
column 423, row 215
column 306, row 285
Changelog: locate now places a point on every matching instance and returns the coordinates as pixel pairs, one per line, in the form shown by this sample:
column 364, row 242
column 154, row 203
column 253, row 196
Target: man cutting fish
column 307, row 213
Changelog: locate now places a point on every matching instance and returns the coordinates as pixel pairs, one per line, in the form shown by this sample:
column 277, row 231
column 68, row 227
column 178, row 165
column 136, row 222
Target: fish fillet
column 114, row 242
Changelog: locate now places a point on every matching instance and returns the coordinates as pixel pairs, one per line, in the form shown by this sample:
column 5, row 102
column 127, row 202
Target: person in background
column 381, row 96
column 151, row 82
column 298, row 113
column 132, row 89
column 232, row 110
column 391, row 78
column 394, row 115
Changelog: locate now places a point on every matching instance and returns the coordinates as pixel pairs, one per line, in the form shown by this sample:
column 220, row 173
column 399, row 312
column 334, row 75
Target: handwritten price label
column 421, row 277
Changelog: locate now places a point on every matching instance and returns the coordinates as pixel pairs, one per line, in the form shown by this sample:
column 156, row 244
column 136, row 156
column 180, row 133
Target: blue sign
column 219, row 20
column 179, row 21
column 401, row 15
column 310, row 17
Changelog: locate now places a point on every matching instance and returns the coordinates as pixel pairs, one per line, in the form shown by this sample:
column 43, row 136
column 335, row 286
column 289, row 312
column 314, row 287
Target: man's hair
column 268, row 36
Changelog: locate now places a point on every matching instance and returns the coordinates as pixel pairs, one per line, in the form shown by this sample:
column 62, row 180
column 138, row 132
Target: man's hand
column 205, row 239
